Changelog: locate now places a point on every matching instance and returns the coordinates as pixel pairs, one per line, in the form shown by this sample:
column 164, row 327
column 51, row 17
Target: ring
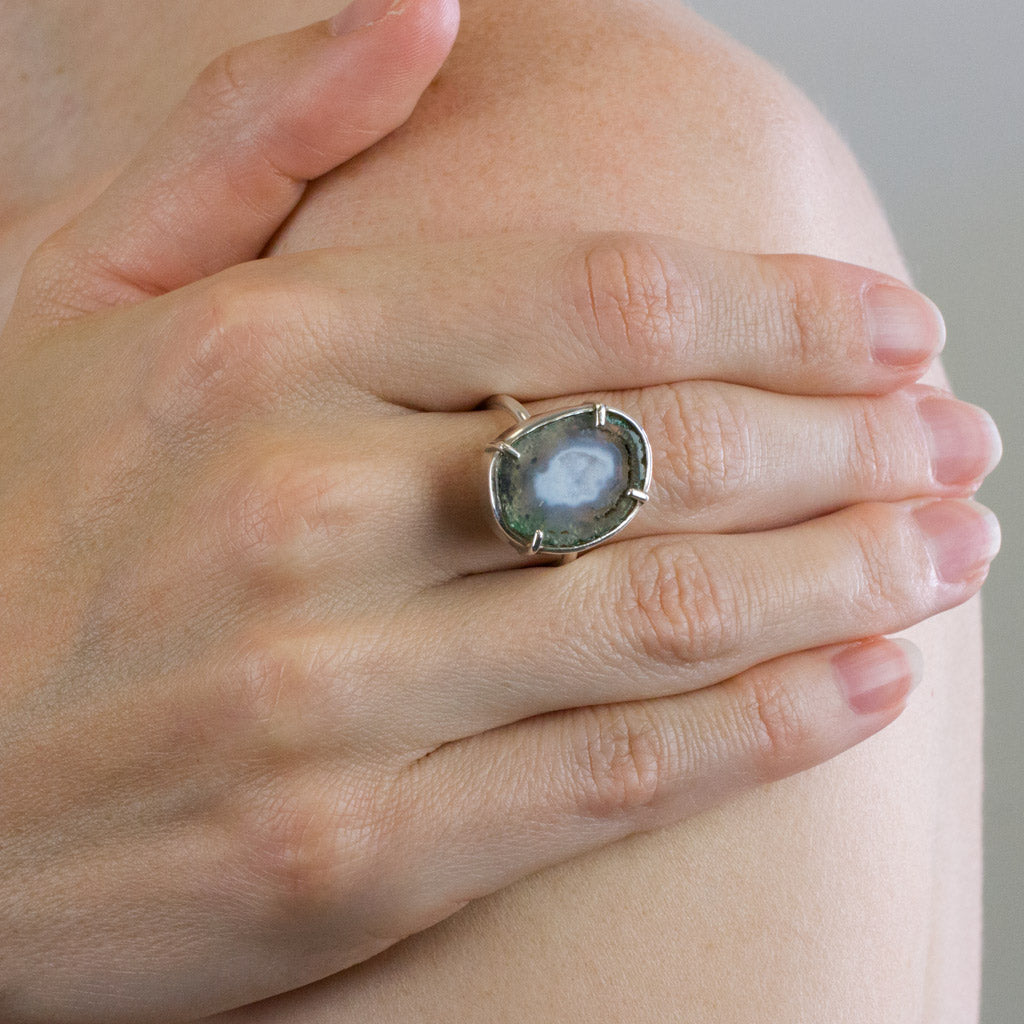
column 568, row 480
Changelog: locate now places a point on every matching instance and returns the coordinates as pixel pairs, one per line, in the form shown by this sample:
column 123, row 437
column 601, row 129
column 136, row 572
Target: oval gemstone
column 570, row 477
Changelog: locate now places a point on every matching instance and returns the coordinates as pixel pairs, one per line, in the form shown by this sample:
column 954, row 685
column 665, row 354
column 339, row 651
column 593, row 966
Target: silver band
column 508, row 403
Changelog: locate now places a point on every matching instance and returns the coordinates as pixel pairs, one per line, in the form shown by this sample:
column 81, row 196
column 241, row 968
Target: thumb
column 217, row 180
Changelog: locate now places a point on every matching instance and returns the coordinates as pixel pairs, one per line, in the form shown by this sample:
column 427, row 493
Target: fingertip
column 379, row 57
column 939, row 320
column 360, row 14
column 413, row 32
column 877, row 676
column 964, row 444
column 905, row 329
column 914, row 660
column 447, row 15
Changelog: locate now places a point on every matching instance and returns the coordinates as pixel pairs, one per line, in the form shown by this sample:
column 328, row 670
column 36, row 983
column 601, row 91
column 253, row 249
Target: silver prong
column 502, row 446
column 641, row 496
column 538, row 539
column 600, row 414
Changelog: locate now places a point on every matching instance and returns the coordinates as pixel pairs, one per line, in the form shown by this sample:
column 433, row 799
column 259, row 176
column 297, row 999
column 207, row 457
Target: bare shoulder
column 848, row 893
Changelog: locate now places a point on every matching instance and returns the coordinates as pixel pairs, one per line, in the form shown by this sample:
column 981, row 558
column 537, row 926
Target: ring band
column 568, row 480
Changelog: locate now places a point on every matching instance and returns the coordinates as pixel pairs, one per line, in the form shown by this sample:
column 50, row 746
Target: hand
column 273, row 696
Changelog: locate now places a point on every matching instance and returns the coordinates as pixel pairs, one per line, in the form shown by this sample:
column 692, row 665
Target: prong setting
column 547, row 497
column 502, row 446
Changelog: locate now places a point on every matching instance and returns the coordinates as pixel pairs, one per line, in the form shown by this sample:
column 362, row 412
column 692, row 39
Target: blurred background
column 930, row 96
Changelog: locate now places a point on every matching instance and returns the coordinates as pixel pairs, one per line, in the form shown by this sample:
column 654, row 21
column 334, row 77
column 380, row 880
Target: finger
column 543, row 791
column 650, row 617
column 214, row 184
column 444, row 325
column 735, row 459
column 624, row 311
column 726, row 459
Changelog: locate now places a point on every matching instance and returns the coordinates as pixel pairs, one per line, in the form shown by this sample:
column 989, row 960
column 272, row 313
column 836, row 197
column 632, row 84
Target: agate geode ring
column 562, row 482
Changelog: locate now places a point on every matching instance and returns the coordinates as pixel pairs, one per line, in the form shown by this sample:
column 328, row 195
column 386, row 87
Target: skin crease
column 847, row 893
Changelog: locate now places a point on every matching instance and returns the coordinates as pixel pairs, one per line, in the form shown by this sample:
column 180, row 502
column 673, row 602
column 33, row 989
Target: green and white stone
column 570, row 478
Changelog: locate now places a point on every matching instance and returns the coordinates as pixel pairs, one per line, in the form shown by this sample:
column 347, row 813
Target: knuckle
column 223, row 354
column 281, row 510
column 48, row 263
column 273, row 691
column 794, row 313
column 774, row 723
column 633, row 303
column 313, row 843
column 883, row 579
column 204, row 372
column 827, row 311
column 705, row 442
column 675, row 609
column 619, row 760
column 224, row 87
column 64, row 278
column 871, row 448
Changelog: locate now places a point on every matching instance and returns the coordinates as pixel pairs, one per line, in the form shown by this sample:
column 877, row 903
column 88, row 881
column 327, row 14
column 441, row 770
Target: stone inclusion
column 571, row 480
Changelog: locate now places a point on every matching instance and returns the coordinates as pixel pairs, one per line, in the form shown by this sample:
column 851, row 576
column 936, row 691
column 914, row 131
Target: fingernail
column 877, row 675
column 963, row 440
column 962, row 537
column 360, row 14
column 904, row 327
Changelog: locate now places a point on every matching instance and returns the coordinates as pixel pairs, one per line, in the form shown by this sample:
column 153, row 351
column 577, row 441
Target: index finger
column 441, row 326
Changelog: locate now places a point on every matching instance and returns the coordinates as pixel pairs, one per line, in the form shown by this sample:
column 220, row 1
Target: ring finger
column 726, row 459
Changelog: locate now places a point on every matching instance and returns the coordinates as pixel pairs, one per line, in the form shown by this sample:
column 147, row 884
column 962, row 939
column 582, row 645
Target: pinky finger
column 549, row 788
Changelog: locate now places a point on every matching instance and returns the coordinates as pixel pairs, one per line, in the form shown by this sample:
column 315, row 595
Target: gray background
column 930, row 97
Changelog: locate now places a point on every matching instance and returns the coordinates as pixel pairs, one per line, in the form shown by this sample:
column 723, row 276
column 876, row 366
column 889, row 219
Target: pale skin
column 847, row 892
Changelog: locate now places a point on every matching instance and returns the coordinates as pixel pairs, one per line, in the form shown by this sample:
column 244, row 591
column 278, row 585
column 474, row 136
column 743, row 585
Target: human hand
column 268, row 706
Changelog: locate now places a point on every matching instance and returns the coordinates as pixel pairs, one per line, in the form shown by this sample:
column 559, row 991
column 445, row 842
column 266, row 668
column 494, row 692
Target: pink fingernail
column 963, row 441
column 877, row 675
column 904, row 327
column 962, row 537
column 361, row 14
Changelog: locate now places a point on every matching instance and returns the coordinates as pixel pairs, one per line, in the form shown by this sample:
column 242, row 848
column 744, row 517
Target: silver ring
column 568, row 480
